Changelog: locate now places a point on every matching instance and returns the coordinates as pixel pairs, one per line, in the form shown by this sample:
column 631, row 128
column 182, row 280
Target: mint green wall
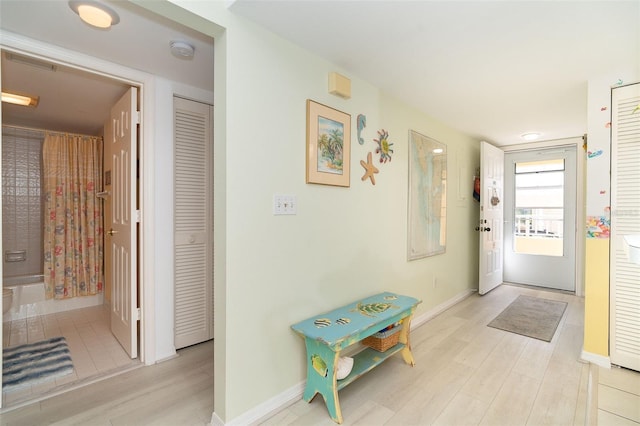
column 344, row 243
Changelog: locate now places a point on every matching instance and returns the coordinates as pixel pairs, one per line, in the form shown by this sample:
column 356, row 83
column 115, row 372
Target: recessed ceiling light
column 16, row 99
column 530, row 136
column 94, row 13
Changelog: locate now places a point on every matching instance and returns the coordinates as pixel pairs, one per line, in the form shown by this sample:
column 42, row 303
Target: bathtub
column 29, row 300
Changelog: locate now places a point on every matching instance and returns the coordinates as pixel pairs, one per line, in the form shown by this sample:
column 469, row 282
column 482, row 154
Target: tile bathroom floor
column 94, row 350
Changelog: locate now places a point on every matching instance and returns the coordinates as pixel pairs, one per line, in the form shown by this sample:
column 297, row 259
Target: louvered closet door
column 193, row 222
column 625, row 219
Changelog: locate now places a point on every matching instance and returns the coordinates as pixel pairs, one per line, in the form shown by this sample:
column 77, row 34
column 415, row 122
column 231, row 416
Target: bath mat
column 34, row 363
column 531, row 317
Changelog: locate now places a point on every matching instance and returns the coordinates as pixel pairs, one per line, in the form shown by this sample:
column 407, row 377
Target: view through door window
column 539, row 207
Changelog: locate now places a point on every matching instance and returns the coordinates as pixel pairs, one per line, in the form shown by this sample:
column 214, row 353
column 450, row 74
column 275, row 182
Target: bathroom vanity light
column 14, row 98
column 94, row 13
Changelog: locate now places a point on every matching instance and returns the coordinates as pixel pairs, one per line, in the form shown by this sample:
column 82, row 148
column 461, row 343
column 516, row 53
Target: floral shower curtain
column 73, row 230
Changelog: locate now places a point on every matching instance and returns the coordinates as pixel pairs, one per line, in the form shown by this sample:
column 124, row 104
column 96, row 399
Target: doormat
column 531, row 317
column 33, row 363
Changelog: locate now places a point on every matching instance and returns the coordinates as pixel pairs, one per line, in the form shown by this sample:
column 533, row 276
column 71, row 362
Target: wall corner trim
column 599, row 360
column 215, row 420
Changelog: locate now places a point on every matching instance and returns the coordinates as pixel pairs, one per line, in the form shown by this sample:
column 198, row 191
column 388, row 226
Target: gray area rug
column 33, row 363
column 531, row 317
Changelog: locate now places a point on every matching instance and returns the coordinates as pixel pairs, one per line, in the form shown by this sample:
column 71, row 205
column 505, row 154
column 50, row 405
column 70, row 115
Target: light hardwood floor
column 174, row 392
column 466, row 374
column 469, row 374
column 616, row 399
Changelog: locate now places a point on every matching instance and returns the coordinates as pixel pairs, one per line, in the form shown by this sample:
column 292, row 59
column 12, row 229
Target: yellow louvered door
column 625, row 220
column 193, row 222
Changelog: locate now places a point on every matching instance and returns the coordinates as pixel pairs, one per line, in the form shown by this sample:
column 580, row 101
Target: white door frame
column 145, row 82
column 579, row 143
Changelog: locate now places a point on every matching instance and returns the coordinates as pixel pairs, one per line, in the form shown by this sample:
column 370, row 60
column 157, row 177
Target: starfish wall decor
column 369, row 169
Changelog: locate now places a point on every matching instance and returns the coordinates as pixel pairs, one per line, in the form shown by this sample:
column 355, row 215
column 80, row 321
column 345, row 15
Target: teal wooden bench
column 327, row 334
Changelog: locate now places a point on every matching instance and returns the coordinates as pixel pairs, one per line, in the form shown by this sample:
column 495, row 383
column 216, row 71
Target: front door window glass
column 539, row 207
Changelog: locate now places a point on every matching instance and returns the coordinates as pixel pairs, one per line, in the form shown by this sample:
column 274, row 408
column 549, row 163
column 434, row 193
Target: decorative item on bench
column 345, row 365
column 384, row 339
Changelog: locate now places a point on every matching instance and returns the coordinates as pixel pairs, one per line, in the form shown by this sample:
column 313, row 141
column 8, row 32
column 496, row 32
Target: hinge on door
column 138, row 216
column 137, row 117
column 138, row 314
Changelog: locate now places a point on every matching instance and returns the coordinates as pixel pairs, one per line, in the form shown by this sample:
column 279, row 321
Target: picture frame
column 427, row 197
column 328, row 145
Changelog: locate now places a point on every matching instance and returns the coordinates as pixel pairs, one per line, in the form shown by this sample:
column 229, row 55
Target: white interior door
column 193, row 222
column 624, row 292
column 122, row 233
column 540, row 213
column 491, row 224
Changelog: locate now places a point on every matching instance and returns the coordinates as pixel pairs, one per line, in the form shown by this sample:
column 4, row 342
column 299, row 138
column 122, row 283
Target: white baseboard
column 600, row 360
column 293, row 394
column 437, row 310
column 215, row 420
column 268, row 408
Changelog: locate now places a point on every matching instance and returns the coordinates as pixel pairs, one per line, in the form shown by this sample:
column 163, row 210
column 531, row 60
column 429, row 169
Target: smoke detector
column 181, row 49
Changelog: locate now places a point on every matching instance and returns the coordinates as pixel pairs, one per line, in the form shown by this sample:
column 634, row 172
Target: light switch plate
column 285, row 204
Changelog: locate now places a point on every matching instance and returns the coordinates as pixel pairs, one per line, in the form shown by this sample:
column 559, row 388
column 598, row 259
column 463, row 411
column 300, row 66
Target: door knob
column 111, row 232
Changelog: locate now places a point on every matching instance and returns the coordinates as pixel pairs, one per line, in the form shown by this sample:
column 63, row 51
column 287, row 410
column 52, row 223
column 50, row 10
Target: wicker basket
column 383, row 340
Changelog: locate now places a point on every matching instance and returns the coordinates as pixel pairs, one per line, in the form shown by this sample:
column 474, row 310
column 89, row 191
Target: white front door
column 121, row 238
column 491, row 215
column 540, row 210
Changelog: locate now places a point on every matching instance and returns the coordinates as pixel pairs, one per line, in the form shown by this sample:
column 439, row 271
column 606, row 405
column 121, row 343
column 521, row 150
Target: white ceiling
column 492, row 69
column 75, row 101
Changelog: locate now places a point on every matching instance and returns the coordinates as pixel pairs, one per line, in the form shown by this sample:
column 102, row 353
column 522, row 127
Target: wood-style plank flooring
column 466, row 374
column 616, row 399
column 174, row 392
column 469, row 374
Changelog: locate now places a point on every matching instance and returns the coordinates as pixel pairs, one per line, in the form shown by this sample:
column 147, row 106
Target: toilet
column 7, row 299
